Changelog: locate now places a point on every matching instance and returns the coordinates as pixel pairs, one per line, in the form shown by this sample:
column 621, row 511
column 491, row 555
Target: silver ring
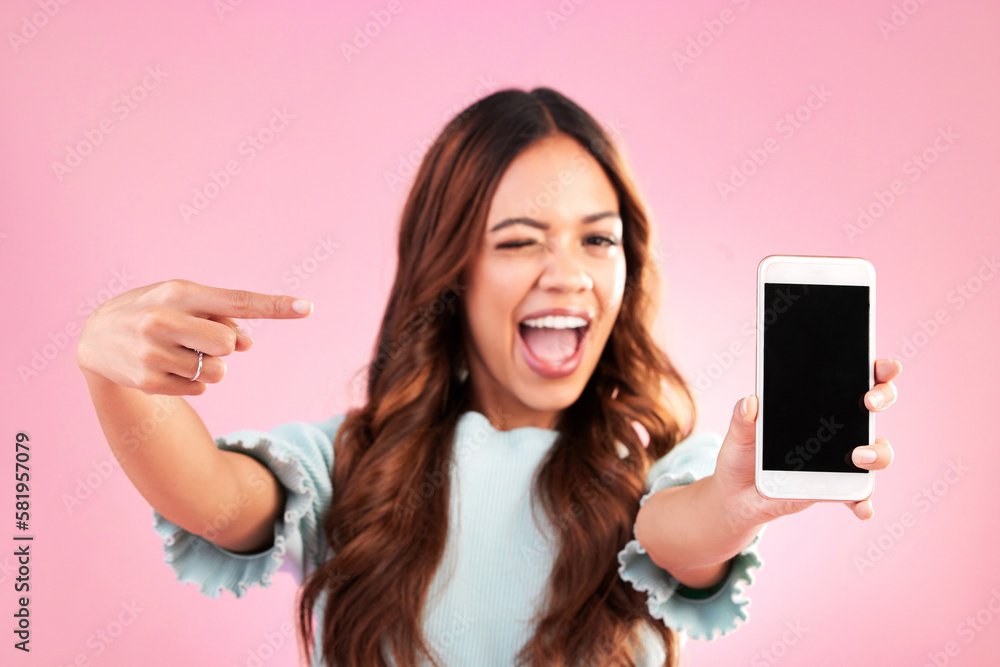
column 200, row 353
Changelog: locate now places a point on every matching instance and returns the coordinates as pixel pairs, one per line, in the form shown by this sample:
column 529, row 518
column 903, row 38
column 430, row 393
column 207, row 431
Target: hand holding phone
column 815, row 362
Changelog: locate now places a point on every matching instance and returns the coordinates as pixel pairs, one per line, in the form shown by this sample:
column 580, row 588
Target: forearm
column 167, row 453
column 691, row 531
column 164, row 449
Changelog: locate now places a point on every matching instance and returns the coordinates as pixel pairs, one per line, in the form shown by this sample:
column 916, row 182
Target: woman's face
column 545, row 287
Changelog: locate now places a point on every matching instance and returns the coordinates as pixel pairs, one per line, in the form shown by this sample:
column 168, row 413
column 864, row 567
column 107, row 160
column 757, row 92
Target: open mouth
column 553, row 344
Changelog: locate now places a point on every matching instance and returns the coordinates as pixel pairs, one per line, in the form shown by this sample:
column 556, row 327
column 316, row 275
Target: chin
column 546, row 398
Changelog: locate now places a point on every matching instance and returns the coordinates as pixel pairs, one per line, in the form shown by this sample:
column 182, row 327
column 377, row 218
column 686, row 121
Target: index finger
column 219, row 301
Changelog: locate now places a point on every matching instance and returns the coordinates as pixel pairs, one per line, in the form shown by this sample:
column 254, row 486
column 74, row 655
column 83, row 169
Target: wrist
column 743, row 511
column 102, row 388
column 706, row 588
column 95, row 380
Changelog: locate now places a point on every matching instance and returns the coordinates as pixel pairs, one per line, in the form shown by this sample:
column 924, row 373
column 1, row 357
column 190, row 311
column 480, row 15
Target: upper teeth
column 556, row 322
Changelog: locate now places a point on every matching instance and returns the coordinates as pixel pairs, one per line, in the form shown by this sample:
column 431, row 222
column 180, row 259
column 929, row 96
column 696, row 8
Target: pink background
column 684, row 126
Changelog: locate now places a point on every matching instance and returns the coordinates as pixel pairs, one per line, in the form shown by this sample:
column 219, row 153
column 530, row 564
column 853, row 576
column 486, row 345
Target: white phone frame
column 815, row 270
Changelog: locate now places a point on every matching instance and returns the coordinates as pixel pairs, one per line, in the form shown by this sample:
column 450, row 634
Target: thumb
column 735, row 463
column 243, row 339
column 743, row 427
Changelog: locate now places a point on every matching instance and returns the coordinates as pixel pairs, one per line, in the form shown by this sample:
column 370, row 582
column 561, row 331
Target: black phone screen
column 815, row 376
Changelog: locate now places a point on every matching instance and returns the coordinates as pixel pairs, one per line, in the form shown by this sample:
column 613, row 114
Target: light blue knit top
column 497, row 560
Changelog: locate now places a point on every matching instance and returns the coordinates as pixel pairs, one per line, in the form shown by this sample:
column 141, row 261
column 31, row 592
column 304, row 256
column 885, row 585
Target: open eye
column 600, row 240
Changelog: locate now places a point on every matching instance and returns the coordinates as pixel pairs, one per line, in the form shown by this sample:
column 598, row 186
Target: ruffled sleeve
column 300, row 456
column 700, row 614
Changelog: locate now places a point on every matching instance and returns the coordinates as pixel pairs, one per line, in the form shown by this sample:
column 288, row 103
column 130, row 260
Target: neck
column 509, row 414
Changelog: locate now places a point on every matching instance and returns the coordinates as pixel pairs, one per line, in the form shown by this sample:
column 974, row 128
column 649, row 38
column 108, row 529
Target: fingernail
column 877, row 399
column 743, row 407
column 242, row 331
column 865, row 455
column 301, row 306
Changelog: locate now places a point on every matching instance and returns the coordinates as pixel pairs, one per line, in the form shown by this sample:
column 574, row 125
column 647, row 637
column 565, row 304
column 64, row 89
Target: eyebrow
column 593, row 217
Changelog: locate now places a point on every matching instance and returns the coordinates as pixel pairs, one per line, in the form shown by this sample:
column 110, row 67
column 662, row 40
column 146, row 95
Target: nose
column 564, row 271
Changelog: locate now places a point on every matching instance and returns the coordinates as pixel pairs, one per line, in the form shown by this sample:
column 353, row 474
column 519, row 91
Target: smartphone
column 815, row 362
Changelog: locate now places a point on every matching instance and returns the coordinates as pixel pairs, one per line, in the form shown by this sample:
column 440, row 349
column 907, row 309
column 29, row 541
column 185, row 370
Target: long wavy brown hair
column 384, row 560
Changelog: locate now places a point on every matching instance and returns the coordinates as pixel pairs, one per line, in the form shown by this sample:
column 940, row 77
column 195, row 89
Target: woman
column 483, row 505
